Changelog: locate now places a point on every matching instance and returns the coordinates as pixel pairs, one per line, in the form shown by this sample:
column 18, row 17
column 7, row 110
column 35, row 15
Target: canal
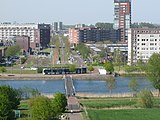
column 86, row 86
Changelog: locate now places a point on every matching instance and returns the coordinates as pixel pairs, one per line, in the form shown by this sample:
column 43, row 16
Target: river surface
column 87, row 86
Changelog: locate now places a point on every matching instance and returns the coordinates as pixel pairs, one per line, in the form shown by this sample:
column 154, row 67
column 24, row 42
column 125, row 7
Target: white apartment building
column 8, row 30
column 142, row 43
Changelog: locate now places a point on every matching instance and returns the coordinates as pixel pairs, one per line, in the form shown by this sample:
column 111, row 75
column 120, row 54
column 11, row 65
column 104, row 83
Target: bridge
column 69, row 86
column 73, row 104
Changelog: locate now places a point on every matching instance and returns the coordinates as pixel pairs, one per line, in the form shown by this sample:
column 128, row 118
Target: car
column 22, row 67
column 34, row 68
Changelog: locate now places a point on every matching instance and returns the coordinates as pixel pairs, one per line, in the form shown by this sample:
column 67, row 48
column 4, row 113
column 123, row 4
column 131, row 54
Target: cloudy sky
column 74, row 11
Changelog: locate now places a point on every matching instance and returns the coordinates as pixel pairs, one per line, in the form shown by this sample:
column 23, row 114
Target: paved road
column 74, row 106
column 75, row 116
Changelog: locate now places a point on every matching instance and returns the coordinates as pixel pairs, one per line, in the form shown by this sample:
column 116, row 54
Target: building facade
column 44, row 35
column 55, row 26
column 85, row 35
column 34, row 31
column 142, row 43
column 23, row 42
column 122, row 17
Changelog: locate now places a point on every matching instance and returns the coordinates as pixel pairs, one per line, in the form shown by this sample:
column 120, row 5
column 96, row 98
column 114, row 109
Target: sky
column 74, row 11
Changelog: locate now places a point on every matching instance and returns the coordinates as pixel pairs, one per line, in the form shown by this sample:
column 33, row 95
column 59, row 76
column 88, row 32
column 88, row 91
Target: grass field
column 111, row 103
column 108, row 103
column 135, row 114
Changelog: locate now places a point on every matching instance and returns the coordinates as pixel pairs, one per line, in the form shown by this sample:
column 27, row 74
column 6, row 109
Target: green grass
column 107, row 103
column 24, row 104
column 135, row 114
column 21, row 72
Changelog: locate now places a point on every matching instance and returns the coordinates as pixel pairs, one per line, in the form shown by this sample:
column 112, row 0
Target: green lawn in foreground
column 108, row 103
column 135, row 114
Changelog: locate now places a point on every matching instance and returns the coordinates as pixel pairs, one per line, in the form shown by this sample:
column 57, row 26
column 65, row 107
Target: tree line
column 41, row 107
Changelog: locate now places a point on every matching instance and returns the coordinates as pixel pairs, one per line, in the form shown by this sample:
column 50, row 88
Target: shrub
column 145, row 99
column 39, row 70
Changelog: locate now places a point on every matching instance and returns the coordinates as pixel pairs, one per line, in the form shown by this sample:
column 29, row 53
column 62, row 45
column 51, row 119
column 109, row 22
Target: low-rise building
column 23, row 42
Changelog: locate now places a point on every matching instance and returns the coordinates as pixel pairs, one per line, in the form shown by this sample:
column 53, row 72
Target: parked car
column 33, row 68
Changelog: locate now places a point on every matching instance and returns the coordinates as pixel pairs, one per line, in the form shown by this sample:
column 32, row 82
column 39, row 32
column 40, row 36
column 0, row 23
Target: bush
column 23, row 60
column 39, row 70
column 145, row 99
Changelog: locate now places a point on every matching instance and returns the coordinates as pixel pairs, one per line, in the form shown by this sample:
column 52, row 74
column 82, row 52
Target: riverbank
column 107, row 95
column 53, row 77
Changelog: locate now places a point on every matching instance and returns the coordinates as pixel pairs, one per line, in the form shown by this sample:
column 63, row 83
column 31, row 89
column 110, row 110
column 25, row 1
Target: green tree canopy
column 9, row 101
column 41, row 108
column 109, row 66
column 102, row 54
column 12, row 94
column 153, row 70
column 3, row 69
column 5, row 108
column 59, row 103
column 90, row 68
column 12, row 50
column 104, row 25
column 83, row 49
column 72, row 68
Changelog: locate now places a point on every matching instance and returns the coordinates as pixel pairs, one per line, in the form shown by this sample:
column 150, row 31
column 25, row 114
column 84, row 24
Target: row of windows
column 147, row 39
column 142, row 56
column 146, row 31
column 146, row 44
column 151, row 48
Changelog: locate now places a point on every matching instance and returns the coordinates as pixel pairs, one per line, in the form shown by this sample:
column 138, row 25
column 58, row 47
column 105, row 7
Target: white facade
column 142, row 43
column 9, row 30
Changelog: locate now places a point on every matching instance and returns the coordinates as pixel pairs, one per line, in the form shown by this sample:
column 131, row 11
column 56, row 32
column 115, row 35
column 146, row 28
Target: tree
column 41, row 108
column 102, row 54
column 118, row 58
column 153, row 71
column 12, row 94
column 111, row 84
column 83, row 49
column 5, row 108
column 59, row 103
column 133, row 85
column 90, row 68
column 23, row 60
column 27, row 92
column 109, row 67
column 104, row 25
column 72, row 68
column 145, row 99
column 3, row 69
column 12, row 50
column 9, row 101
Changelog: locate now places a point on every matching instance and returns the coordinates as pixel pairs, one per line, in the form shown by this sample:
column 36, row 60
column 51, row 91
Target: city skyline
column 71, row 12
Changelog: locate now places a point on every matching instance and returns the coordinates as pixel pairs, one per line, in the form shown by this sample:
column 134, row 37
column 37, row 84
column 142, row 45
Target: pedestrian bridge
column 69, row 86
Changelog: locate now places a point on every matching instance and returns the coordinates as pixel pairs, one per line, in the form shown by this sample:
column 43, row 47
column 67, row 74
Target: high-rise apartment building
column 142, row 43
column 60, row 26
column 55, row 26
column 122, row 17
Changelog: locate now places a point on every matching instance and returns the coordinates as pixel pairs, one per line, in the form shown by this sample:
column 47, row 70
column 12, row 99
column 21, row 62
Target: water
column 101, row 86
column 87, row 86
column 44, row 86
